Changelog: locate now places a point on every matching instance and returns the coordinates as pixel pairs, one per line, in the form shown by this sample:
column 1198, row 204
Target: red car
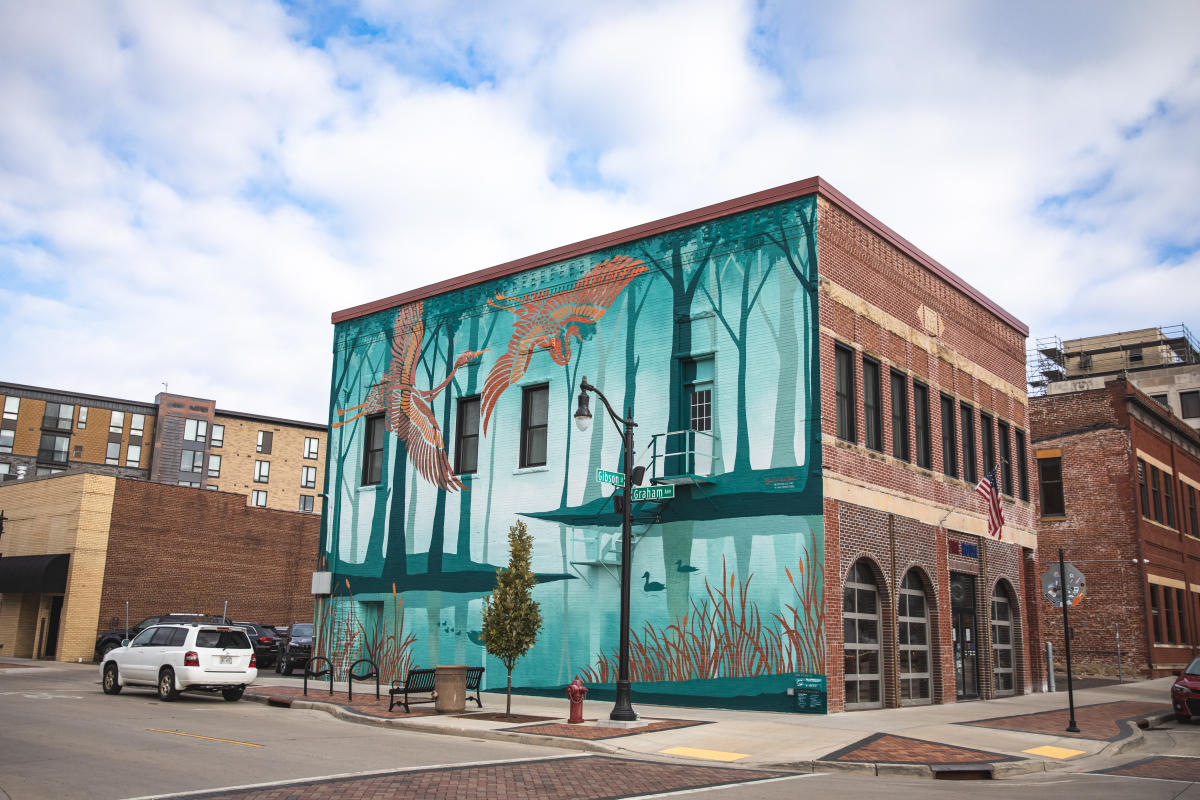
column 1185, row 693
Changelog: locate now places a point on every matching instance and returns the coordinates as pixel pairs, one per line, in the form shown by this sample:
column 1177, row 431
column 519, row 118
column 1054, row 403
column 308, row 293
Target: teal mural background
column 728, row 603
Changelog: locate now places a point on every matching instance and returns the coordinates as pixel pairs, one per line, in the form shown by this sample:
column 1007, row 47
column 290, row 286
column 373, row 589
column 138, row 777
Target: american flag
column 989, row 491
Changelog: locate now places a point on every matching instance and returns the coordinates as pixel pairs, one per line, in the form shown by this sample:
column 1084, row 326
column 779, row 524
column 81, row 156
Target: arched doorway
column 913, row 633
column 860, row 623
column 1003, row 642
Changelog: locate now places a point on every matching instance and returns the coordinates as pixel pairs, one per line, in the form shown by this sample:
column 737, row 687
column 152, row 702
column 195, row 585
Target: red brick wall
column 200, row 548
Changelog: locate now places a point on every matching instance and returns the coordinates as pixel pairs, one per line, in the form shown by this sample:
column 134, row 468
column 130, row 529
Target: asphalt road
column 61, row 737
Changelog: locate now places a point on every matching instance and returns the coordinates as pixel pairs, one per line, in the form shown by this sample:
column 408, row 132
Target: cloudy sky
column 188, row 190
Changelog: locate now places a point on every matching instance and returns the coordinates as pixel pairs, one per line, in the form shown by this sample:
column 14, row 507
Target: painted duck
column 651, row 586
column 682, row 567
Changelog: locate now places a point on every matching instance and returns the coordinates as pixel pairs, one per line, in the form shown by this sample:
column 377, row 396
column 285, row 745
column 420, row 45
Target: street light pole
column 623, row 707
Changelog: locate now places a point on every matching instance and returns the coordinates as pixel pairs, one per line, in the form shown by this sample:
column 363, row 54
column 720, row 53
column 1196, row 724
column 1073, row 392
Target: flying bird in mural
column 547, row 321
column 406, row 409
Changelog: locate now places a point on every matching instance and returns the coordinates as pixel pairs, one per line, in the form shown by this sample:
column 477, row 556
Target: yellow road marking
column 1053, row 752
column 209, row 738
column 711, row 755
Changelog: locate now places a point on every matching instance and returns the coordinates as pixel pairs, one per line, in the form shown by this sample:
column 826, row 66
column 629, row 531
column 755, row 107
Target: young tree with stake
column 511, row 618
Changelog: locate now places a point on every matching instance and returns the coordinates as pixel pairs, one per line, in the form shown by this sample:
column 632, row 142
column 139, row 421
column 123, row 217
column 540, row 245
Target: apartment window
column 212, row 487
column 218, row 436
column 1184, row 638
column 1192, row 519
column 1189, row 404
column 1050, row 487
column 57, row 416
column 5, row 468
column 1006, row 481
column 311, row 444
column 1169, row 498
column 844, row 379
column 308, row 477
column 949, row 444
column 987, row 441
column 1156, row 622
column 12, row 405
column 1135, row 355
column 698, row 375
column 535, row 406
column 137, row 424
column 372, row 451
column 264, row 442
column 190, row 484
column 191, row 461
column 921, row 424
column 54, row 448
column 900, row 415
column 967, row 418
column 6, row 440
column 214, row 465
column 1022, row 468
column 466, row 445
column 116, row 422
column 133, row 455
column 77, row 452
column 1161, row 399
column 258, row 498
column 195, row 430
column 872, row 405
column 1156, row 493
column 1168, row 615
column 82, row 418
column 306, row 503
column 262, row 471
column 1143, row 494
column 112, row 455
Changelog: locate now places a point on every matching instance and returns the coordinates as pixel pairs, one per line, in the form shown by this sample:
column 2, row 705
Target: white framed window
column 218, row 436
column 258, row 498
column 116, row 422
column 133, row 455
column 1002, row 643
column 214, row 465
column 913, row 629
column 308, row 477
column 195, row 430
column 311, row 446
column 264, row 442
column 863, row 670
column 113, row 454
column 262, row 471
column 306, row 503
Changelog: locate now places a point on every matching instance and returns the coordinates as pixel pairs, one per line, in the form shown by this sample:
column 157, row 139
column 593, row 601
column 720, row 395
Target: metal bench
column 474, row 678
column 417, row 681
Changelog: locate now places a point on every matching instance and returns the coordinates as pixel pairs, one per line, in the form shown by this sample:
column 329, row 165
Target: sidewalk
column 1009, row 736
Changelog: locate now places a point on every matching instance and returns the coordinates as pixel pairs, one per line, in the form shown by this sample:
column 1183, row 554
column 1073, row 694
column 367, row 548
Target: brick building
column 179, row 440
column 1120, row 479
column 819, row 395
column 76, row 547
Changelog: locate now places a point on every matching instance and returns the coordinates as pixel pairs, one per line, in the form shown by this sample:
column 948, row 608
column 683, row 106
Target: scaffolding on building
column 1052, row 359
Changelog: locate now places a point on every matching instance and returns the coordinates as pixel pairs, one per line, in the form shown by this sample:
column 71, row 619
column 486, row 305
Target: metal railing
column 688, row 459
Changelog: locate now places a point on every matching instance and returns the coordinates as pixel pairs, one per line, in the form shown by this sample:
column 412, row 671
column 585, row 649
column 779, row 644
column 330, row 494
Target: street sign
column 1052, row 586
column 653, row 492
column 615, row 478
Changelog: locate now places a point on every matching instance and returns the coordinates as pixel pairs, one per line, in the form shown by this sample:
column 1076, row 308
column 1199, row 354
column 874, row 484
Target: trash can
column 450, row 682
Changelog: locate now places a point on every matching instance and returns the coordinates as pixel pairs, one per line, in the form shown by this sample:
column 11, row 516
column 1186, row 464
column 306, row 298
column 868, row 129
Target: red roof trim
column 748, row 202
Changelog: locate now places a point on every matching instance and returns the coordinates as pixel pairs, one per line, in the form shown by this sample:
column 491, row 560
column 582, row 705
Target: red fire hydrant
column 576, row 691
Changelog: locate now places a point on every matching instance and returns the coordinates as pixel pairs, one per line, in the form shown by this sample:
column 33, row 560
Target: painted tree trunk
column 437, row 542
column 783, row 443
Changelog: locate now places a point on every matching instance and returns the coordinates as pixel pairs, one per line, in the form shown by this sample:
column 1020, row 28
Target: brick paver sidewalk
column 1172, row 768
column 585, row 778
column 888, row 748
column 1104, row 721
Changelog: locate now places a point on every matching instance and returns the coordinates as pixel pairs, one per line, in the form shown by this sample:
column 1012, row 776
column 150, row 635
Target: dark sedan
column 295, row 648
column 265, row 641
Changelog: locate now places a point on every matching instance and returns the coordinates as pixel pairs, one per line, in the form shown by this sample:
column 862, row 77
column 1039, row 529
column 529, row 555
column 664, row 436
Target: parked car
column 1185, row 692
column 110, row 640
column 265, row 641
column 296, row 647
column 183, row 657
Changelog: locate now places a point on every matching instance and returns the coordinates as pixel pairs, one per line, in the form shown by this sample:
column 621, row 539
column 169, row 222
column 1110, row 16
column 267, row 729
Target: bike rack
column 309, row 672
column 351, row 677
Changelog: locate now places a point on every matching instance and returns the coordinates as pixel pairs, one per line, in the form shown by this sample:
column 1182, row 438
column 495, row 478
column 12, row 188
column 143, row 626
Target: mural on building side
column 708, row 334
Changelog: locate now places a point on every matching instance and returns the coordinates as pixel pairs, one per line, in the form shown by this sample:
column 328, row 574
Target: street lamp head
column 583, row 414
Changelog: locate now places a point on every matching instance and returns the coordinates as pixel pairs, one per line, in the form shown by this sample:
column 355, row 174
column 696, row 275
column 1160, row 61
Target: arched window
column 1002, row 643
column 913, row 630
column 860, row 622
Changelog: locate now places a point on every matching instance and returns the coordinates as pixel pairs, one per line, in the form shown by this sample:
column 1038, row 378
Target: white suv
column 177, row 657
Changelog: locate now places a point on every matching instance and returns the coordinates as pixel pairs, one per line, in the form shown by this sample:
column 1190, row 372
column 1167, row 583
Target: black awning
column 36, row 574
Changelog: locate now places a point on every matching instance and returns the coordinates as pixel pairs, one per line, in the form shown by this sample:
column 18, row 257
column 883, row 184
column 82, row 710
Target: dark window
column 1154, row 616
column 1156, row 494
column 844, row 378
column 921, row 424
column 372, row 451
column 1184, row 638
column 1143, row 494
column 949, row 444
column 698, row 375
column 987, row 443
column 162, row 637
column 1192, row 520
column 1135, row 355
column 54, row 448
column 306, row 503
column 535, row 407
column 1161, row 399
column 1022, row 467
column 968, row 443
column 872, row 405
column 1050, row 487
column 178, row 637
column 264, row 442
column 1006, row 483
column 58, row 416
column 225, row 640
column 1168, row 615
column 900, row 415
column 1189, row 404
column 1169, row 498
column 466, row 449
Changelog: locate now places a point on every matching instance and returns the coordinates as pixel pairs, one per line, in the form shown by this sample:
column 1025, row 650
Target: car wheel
column 108, row 648
column 111, row 684
column 166, row 685
column 233, row 695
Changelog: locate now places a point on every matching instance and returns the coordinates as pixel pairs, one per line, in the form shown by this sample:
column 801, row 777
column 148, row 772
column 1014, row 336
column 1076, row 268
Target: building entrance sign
column 812, row 693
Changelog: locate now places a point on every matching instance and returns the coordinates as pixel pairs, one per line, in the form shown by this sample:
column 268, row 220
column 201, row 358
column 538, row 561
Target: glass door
column 966, row 661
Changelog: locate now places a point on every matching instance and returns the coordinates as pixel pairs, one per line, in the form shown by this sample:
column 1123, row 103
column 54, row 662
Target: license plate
column 224, row 659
